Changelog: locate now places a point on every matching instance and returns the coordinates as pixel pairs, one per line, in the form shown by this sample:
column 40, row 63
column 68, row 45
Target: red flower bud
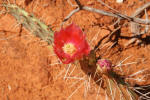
column 104, row 65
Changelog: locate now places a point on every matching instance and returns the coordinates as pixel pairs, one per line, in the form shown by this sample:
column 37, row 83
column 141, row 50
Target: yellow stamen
column 69, row 48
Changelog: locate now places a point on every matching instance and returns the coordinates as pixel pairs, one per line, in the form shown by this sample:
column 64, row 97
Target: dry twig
column 135, row 27
column 117, row 14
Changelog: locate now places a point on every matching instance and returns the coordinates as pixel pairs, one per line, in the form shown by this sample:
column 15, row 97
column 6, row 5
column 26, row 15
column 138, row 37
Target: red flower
column 70, row 44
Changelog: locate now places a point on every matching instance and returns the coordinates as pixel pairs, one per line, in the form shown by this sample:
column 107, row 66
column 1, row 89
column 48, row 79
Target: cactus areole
column 70, row 44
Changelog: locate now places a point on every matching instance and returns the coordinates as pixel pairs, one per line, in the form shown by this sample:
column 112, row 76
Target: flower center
column 69, row 48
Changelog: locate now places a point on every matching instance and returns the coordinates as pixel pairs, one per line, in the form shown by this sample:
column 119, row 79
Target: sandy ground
column 27, row 65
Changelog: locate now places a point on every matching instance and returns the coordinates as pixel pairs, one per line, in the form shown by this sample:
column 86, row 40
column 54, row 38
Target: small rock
column 119, row 1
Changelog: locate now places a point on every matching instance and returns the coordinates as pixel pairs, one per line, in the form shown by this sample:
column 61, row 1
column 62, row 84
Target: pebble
column 119, row 1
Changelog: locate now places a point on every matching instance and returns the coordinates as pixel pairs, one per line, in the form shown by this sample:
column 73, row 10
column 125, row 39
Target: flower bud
column 104, row 66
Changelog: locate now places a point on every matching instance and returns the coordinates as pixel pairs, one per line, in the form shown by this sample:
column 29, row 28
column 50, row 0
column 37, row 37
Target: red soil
column 26, row 72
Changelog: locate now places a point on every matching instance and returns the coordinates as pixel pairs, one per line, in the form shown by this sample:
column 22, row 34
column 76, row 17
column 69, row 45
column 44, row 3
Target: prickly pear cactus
column 113, row 84
column 30, row 22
